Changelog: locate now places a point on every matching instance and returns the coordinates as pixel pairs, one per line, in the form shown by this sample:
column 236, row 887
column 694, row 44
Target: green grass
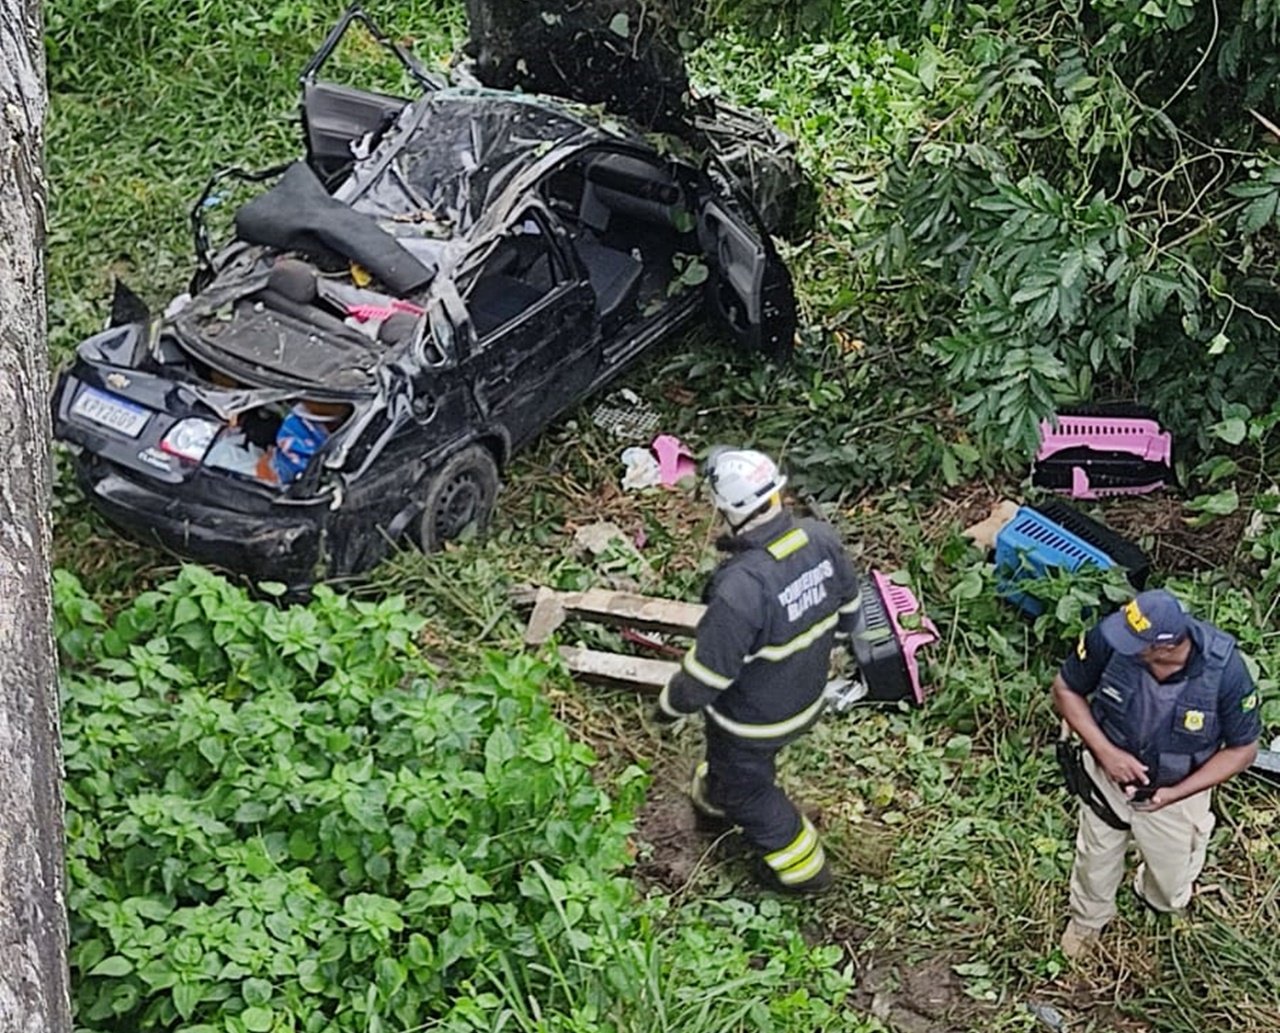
column 953, row 839
column 150, row 99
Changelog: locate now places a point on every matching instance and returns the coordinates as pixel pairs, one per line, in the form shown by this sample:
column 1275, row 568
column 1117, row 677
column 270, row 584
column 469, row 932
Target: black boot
column 707, row 816
column 813, row 886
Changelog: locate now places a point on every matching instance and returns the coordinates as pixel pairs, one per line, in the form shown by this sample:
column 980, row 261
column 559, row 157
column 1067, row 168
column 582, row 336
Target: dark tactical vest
column 1171, row 745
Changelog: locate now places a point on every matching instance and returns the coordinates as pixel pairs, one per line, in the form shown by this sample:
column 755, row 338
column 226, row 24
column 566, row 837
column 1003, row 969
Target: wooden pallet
column 618, row 610
column 627, row 610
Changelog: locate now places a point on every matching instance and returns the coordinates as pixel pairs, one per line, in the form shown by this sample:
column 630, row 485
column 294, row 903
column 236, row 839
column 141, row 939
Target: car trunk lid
column 129, row 418
column 276, row 342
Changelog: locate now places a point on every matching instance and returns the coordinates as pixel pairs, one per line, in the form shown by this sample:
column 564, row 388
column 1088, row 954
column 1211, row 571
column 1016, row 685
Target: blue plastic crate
column 1029, row 544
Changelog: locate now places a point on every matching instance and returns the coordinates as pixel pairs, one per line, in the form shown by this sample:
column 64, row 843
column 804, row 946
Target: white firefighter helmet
column 742, row 481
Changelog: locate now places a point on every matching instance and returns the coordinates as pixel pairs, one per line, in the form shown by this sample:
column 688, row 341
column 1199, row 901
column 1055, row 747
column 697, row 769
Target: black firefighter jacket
column 758, row 665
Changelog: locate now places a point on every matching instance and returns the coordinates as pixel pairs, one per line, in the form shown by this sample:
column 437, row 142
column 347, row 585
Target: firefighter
column 758, row 666
column 1166, row 710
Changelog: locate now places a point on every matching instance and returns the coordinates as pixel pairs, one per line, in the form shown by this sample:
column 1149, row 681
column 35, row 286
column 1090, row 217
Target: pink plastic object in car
column 364, row 313
column 900, row 601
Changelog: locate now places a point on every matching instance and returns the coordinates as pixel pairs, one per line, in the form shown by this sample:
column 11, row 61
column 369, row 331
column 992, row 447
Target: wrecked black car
column 434, row 284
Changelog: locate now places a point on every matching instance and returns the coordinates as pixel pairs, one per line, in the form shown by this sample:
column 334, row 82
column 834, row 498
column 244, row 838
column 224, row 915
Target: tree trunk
column 625, row 54
column 33, row 969
column 629, row 56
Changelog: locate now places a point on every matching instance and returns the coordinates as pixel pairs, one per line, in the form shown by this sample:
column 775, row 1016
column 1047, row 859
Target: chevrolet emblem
column 117, row 380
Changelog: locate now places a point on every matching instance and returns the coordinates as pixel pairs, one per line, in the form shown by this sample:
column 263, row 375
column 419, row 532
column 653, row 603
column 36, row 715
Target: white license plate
column 110, row 411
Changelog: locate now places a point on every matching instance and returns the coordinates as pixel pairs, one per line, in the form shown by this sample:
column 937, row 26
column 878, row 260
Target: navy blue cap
column 1154, row 618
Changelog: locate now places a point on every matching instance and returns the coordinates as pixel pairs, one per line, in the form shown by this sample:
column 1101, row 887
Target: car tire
column 457, row 497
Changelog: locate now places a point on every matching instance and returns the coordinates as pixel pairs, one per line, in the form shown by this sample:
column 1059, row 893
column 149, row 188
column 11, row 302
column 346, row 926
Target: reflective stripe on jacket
column 759, row 662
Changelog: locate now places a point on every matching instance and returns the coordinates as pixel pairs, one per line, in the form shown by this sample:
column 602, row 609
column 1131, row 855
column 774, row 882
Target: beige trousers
column 1172, row 842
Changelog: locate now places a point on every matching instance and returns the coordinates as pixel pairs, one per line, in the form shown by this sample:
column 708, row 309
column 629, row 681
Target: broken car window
column 458, row 147
column 518, row 272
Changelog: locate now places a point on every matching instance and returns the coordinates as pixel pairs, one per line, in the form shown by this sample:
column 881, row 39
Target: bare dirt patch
column 671, row 848
column 1159, row 523
column 917, row 997
column 673, row 851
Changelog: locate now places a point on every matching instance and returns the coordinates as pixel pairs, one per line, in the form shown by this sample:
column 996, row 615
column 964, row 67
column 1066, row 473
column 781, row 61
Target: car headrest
column 397, row 328
column 294, row 280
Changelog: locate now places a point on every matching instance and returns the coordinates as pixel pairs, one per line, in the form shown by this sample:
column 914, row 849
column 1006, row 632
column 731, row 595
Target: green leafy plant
column 282, row 819
column 282, row 813
column 1054, row 205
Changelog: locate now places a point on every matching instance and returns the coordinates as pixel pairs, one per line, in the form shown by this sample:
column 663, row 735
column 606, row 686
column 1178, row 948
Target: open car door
column 336, row 118
column 749, row 289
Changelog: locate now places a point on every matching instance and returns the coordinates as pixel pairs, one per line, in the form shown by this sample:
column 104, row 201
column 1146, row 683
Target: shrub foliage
column 283, row 812
column 1045, row 202
column 286, row 820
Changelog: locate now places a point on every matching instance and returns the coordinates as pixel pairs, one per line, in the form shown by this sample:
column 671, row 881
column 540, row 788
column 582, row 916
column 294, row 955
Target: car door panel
column 535, row 345
column 526, row 372
column 336, row 118
column 750, row 292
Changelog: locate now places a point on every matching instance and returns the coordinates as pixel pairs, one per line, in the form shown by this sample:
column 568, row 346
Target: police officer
column 1166, row 711
column 758, row 666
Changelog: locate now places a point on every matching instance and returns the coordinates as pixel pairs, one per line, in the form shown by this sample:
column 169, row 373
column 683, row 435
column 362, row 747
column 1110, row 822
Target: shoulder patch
column 1081, row 651
column 1250, row 702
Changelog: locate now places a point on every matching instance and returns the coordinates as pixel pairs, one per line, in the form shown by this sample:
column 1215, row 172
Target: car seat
column 615, row 279
column 494, row 300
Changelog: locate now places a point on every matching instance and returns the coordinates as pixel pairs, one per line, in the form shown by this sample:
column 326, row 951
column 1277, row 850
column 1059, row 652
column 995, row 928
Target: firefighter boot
column 707, row 816
column 800, row 867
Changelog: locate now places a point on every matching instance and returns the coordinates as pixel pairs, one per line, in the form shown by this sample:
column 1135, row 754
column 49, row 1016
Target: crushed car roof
column 443, row 175
column 455, row 149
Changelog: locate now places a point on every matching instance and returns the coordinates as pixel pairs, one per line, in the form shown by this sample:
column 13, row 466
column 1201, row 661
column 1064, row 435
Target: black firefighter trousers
column 741, row 781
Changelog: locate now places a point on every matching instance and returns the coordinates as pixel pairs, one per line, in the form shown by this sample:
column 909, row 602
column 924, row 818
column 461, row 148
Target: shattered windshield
column 462, row 146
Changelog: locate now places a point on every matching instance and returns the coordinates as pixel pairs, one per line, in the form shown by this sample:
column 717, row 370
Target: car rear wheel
column 458, row 498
